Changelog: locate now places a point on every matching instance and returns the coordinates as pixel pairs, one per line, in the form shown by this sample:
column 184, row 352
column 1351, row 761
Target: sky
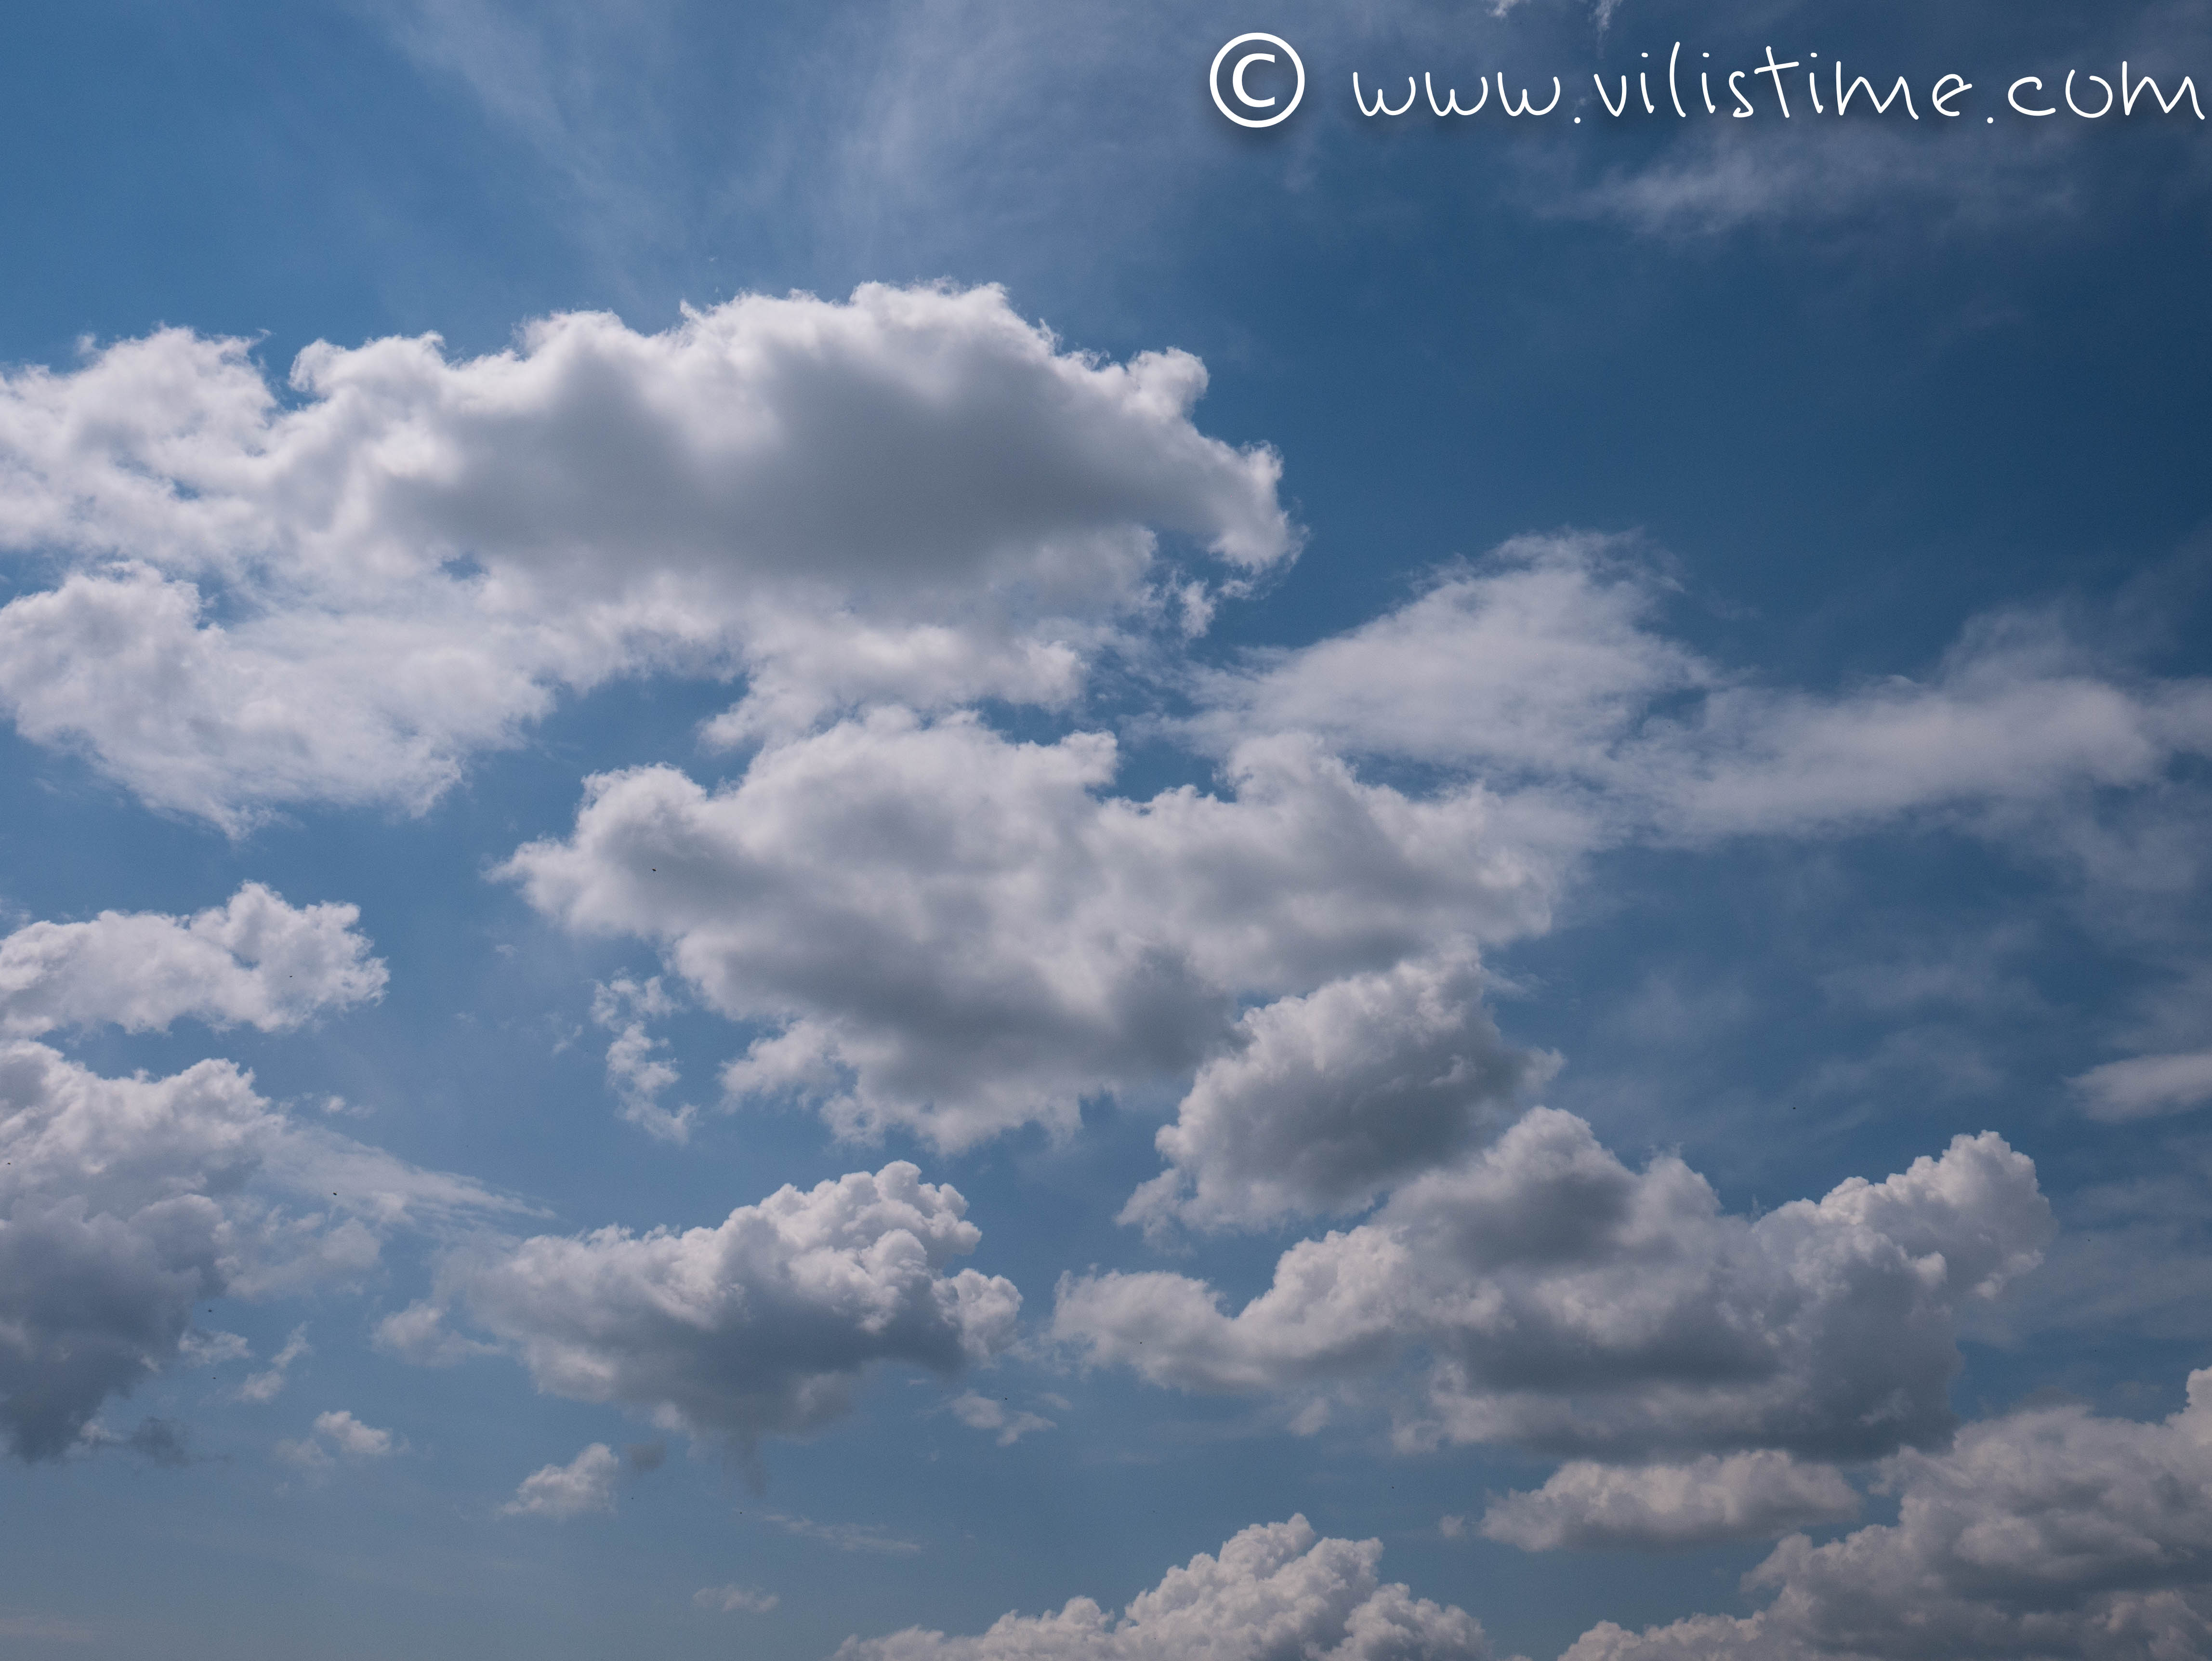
column 829, row 836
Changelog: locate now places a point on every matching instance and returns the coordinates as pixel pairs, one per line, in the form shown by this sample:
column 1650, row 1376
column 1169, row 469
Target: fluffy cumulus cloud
column 1741, row 1496
column 955, row 932
column 585, row 1484
column 984, row 1413
column 124, row 1202
column 2051, row 1533
column 1329, row 1097
column 1277, row 1589
column 337, row 1435
column 941, row 929
column 1554, row 1299
column 763, row 1324
column 340, row 593
column 255, row 961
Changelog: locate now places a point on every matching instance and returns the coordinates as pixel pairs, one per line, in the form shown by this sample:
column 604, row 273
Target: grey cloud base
column 124, row 1201
column 2050, row 1534
column 1552, row 1298
column 760, row 1326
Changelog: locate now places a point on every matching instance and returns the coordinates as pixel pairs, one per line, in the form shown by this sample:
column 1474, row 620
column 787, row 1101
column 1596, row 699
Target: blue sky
column 821, row 823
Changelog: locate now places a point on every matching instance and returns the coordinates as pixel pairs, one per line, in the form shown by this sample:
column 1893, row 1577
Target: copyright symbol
column 1237, row 88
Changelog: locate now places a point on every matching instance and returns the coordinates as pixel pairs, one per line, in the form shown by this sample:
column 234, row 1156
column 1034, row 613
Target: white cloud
column 1834, row 180
column 585, row 1484
column 958, row 933
column 729, row 1599
column 1741, row 1496
column 354, row 1440
column 337, row 1435
column 2051, row 1532
column 846, row 1536
column 1564, row 1302
column 640, row 1076
column 1277, row 1589
column 256, row 961
column 2146, row 1087
column 1542, row 672
column 1329, row 1097
column 981, row 1413
column 126, row 1202
column 761, row 1325
column 341, row 596
column 268, row 1385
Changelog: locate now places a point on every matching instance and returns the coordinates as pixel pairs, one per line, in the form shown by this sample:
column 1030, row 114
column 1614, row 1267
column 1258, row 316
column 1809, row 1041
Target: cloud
column 256, row 961
column 1562, row 1301
column 337, row 1435
column 126, row 1202
column 267, row 1385
column 846, row 1536
column 760, row 1326
column 1743, row 1496
column 1276, row 1589
column 354, row 1439
column 585, row 1484
column 731, row 1598
column 341, row 595
column 2049, row 1532
column 638, row 1076
column 1839, row 180
column 1329, row 1097
column 1542, row 672
column 981, row 1413
column 2146, row 1087
column 957, row 934
column 163, row 1442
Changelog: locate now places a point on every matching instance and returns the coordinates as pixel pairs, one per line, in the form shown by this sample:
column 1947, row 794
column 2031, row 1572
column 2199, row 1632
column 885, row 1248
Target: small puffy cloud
column 761, row 1325
column 126, row 1202
column 981, row 1413
column 1329, row 1097
column 1560, row 1300
column 255, row 961
column 585, row 1484
column 337, row 1435
column 957, row 934
column 1742, row 1496
column 914, row 494
column 267, row 1385
column 2051, row 1532
column 730, row 1599
column 1276, row 1589
column 2146, row 1087
column 352, row 1437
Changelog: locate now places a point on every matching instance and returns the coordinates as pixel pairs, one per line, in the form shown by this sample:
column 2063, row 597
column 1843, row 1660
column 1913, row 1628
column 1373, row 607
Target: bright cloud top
column 913, row 493
column 256, row 961
column 1741, row 1496
column 761, row 1325
column 1276, row 1589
